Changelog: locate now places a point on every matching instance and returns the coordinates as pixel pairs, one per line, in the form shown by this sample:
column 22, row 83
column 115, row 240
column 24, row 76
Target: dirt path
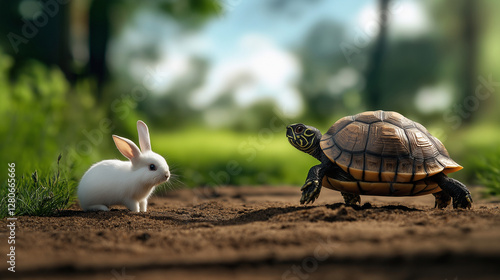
column 261, row 233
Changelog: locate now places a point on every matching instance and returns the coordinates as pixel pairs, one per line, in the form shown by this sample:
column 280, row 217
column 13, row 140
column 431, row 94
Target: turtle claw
column 463, row 202
column 310, row 191
column 307, row 184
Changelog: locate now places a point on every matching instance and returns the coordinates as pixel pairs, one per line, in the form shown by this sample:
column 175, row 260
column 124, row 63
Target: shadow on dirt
column 330, row 213
column 100, row 215
column 207, row 214
column 262, row 215
column 368, row 205
column 246, row 217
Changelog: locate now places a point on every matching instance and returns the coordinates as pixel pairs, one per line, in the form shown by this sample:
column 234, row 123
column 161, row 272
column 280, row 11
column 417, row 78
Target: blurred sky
column 253, row 43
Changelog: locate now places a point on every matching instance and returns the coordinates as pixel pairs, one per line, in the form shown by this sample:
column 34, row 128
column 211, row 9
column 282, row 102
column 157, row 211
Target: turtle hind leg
column 458, row 191
column 351, row 198
column 443, row 199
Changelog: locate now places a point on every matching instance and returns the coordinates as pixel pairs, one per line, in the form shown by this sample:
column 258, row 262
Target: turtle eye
column 152, row 167
column 299, row 129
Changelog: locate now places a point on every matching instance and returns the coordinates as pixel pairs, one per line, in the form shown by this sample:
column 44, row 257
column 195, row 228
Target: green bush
column 43, row 116
column 476, row 149
column 490, row 176
column 487, row 170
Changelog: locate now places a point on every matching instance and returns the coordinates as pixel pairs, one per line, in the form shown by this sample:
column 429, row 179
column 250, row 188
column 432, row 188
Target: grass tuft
column 489, row 175
column 40, row 195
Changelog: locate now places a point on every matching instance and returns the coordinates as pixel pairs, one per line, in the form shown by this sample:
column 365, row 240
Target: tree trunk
column 469, row 41
column 373, row 89
column 99, row 32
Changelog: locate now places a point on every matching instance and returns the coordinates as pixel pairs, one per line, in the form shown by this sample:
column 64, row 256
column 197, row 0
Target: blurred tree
column 373, row 88
column 192, row 12
column 37, row 30
column 99, row 34
column 321, row 59
column 459, row 25
column 409, row 65
column 41, row 30
column 470, row 29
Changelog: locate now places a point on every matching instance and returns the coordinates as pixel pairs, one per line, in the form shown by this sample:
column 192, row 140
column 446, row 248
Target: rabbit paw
column 132, row 205
column 143, row 205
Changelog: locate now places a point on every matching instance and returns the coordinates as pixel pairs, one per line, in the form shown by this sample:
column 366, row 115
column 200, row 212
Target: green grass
column 490, row 177
column 39, row 195
column 476, row 149
column 204, row 157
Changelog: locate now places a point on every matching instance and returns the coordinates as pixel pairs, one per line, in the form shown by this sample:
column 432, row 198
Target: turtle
column 378, row 153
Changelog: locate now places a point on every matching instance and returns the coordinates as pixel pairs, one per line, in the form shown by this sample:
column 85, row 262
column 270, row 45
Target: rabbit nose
column 167, row 175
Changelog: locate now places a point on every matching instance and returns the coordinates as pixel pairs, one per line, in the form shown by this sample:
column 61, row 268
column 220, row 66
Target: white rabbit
column 129, row 183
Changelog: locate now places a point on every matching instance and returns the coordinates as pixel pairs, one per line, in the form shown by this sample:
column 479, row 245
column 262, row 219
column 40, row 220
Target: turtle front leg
column 312, row 186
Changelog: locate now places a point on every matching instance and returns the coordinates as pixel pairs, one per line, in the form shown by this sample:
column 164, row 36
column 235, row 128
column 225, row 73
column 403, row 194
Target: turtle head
column 303, row 137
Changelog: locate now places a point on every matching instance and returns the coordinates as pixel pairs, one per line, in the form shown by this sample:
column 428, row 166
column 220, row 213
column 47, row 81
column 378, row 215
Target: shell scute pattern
column 386, row 147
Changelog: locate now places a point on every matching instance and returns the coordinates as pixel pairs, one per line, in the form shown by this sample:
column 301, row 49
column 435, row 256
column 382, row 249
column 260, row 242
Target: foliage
column 490, row 177
column 479, row 153
column 40, row 195
column 192, row 10
column 45, row 116
column 475, row 147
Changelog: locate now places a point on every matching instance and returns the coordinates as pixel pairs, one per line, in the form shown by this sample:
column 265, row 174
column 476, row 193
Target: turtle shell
column 387, row 153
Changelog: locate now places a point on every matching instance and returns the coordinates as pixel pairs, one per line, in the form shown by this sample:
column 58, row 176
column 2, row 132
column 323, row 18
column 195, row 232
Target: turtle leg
column 351, row 198
column 312, row 186
column 443, row 199
column 458, row 191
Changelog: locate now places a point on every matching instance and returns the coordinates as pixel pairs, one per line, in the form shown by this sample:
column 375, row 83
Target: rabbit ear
column 127, row 147
column 144, row 141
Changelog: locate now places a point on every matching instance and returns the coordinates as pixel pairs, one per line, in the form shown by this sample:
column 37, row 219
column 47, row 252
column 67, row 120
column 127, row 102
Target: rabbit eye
column 152, row 167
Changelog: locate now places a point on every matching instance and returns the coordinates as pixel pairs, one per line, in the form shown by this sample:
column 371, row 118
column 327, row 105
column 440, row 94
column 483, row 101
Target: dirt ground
column 261, row 233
